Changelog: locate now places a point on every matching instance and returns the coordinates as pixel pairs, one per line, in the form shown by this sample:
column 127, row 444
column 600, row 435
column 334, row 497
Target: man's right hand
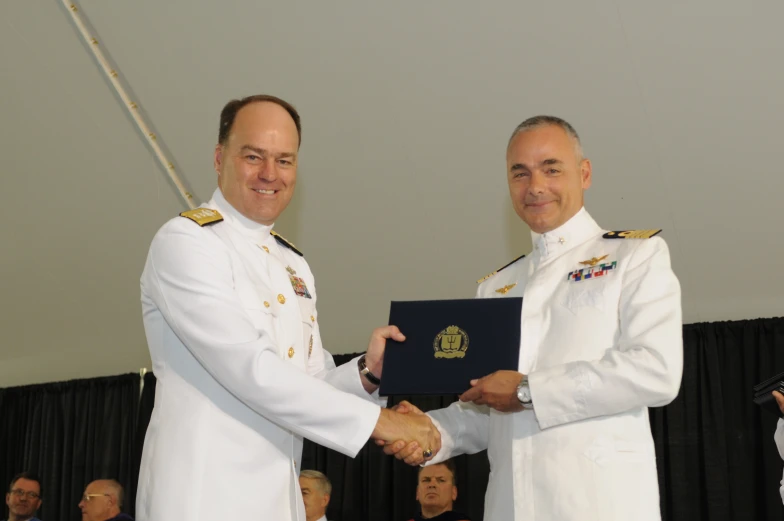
column 779, row 400
column 407, row 432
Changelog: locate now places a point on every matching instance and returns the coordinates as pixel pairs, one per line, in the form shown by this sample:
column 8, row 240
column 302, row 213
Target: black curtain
column 716, row 456
column 715, row 451
column 70, row 433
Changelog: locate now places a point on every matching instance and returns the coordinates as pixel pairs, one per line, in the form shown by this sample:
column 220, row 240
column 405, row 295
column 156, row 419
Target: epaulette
column 203, row 216
column 499, row 269
column 631, row 234
column 284, row 242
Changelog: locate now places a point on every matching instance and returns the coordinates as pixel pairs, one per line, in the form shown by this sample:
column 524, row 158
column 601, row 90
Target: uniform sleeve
column 189, row 278
column 642, row 369
column 464, row 429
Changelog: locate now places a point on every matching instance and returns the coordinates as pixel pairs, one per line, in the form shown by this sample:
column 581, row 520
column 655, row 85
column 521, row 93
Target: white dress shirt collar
column 575, row 231
column 256, row 232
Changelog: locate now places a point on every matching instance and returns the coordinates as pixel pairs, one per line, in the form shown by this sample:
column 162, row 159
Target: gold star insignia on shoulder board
column 203, row 216
column 499, row 269
column 593, row 261
column 631, row 234
column 505, row 289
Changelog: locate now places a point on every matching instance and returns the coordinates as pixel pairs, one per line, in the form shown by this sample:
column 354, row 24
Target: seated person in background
column 436, row 492
column 102, row 501
column 316, row 490
column 23, row 497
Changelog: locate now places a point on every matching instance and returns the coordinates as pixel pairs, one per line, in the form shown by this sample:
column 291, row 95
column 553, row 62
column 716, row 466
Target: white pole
column 131, row 106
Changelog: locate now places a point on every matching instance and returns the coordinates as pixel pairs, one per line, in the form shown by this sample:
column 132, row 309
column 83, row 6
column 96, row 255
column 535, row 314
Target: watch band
column 363, row 370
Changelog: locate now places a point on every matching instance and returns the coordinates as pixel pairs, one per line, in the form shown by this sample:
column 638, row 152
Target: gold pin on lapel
column 505, row 289
column 593, row 261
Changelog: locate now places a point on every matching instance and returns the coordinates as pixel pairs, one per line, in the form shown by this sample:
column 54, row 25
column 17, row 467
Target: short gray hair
column 543, row 121
column 323, row 481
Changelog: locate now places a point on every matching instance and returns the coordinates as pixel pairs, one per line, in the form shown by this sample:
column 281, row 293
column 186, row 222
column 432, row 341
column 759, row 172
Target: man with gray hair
column 567, row 433
column 102, row 501
column 316, row 491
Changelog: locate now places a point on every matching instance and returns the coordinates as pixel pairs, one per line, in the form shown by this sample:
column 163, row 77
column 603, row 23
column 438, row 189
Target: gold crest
column 291, row 270
column 505, row 289
column 452, row 342
column 593, row 261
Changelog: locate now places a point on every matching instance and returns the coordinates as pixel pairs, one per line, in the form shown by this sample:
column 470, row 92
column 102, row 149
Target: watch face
column 524, row 394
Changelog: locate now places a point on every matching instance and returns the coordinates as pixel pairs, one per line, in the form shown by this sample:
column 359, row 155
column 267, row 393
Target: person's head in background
column 436, row 488
column 316, row 491
column 102, row 500
column 24, row 497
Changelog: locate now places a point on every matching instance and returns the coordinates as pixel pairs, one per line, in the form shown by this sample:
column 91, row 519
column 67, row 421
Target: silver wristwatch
column 524, row 394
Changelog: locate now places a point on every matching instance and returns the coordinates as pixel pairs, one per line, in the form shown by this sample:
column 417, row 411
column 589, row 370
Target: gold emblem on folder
column 593, row 261
column 505, row 289
column 452, row 342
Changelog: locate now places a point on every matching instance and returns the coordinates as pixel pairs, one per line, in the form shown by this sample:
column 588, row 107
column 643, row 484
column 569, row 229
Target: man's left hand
column 497, row 390
column 374, row 358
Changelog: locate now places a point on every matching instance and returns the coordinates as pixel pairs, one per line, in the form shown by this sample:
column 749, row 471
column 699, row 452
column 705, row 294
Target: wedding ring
column 427, row 453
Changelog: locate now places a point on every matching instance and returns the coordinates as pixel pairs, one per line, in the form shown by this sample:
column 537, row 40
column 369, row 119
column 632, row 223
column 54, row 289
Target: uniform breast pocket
column 579, row 297
column 262, row 310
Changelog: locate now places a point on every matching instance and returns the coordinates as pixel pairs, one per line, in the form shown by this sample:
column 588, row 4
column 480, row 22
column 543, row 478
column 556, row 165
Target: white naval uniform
column 238, row 385
column 778, row 436
column 598, row 352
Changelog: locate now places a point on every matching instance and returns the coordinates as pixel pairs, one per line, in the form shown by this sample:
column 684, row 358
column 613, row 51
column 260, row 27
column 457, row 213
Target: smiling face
column 436, row 491
column 257, row 165
column 546, row 177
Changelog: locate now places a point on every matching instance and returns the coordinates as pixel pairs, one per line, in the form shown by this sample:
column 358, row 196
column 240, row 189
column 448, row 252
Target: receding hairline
column 543, row 121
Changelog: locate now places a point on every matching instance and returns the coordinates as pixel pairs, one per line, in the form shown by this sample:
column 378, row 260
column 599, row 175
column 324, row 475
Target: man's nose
column 267, row 169
column 536, row 186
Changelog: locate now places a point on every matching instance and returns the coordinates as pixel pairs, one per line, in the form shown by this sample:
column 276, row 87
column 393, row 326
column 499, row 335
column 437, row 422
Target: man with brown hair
column 24, row 497
column 230, row 314
column 436, row 492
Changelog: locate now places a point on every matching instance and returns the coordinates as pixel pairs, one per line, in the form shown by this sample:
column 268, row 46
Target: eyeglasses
column 18, row 492
column 87, row 497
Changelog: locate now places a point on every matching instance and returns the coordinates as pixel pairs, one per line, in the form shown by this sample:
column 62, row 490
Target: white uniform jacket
column 778, row 436
column 231, row 322
column 600, row 344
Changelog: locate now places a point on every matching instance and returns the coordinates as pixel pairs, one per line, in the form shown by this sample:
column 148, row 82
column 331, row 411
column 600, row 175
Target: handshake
column 407, row 433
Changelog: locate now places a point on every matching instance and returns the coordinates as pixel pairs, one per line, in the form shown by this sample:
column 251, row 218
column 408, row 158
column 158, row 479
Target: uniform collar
column 254, row 231
column 573, row 232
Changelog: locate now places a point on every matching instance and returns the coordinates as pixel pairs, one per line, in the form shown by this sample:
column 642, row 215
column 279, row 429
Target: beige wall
column 406, row 109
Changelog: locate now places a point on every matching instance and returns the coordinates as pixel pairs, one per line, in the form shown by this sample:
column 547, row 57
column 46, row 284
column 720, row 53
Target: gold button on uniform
column 265, row 249
column 266, row 304
column 281, row 298
column 291, row 352
column 312, row 318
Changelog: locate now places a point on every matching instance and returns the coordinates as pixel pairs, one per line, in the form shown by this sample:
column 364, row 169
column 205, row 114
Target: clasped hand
column 407, row 433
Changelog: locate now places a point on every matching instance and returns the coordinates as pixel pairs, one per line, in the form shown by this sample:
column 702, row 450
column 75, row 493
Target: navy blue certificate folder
column 449, row 343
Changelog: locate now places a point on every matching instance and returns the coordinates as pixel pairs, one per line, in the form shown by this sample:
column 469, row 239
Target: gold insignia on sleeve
column 505, row 289
column 282, row 240
column 452, row 342
column 203, row 216
column 631, row 234
column 593, row 261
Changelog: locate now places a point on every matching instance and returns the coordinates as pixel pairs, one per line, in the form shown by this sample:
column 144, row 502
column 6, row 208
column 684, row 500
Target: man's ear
column 585, row 173
column 218, row 158
column 454, row 492
column 325, row 500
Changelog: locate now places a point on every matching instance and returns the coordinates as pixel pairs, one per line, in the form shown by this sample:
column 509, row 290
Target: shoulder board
column 631, row 234
column 284, row 242
column 499, row 269
column 203, row 216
